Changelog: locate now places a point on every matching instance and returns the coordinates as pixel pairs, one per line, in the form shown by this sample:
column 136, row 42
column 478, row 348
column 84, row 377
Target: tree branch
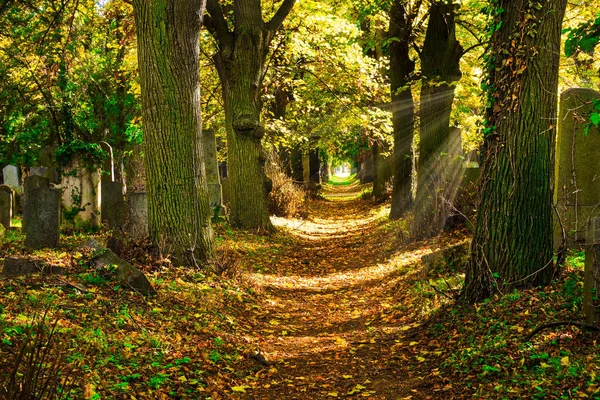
column 280, row 15
column 215, row 21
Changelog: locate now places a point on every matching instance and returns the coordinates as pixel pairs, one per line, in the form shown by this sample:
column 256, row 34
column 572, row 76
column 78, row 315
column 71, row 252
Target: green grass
column 337, row 181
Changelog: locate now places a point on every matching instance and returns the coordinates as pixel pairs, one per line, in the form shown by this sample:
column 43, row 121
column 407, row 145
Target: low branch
column 561, row 323
column 215, row 21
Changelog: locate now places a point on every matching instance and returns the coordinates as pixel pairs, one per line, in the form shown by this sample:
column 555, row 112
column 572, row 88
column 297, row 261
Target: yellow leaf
column 274, row 322
column 544, row 365
column 413, row 343
column 347, row 376
column 565, row 361
column 421, row 359
column 332, row 394
column 241, row 389
column 341, row 342
column 182, row 379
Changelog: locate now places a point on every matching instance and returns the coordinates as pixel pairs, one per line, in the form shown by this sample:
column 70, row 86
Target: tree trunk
column 440, row 67
column 512, row 244
column 168, row 53
column 403, row 108
column 240, row 62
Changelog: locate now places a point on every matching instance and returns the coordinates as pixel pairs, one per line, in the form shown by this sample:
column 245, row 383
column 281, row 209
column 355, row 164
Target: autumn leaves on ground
column 336, row 304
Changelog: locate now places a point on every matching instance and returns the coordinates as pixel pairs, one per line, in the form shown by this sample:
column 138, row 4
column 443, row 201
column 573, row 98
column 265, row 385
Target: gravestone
column 577, row 168
column 112, row 193
column 137, row 225
column 108, row 166
column 38, row 171
column 81, row 196
column 42, row 213
column 305, row 169
column 13, row 194
column 209, row 149
column 6, row 210
column 11, row 176
column 31, row 183
column 591, row 280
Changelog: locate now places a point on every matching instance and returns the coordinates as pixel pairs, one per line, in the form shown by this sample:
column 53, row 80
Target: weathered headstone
column 13, row 195
column 112, row 193
column 305, row 169
column 11, row 176
column 137, row 225
column 577, row 168
column 6, row 210
column 31, row 182
column 23, row 266
column 42, row 213
column 108, row 166
column 209, row 149
column 81, row 196
column 39, row 171
column 591, row 280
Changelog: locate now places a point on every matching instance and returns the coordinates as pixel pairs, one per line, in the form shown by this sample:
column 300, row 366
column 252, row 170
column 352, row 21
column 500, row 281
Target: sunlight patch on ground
column 340, row 280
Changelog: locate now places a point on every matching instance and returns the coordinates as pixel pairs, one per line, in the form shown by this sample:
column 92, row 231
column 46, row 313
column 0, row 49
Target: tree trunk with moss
column 240, row 62
column 512, row 244
column 440, row 68
column 168, row 53
column 403, row 108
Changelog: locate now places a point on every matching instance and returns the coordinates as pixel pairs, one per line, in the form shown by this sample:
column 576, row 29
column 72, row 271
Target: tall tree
column 168, row 35
column 241, row 61
column 512, row 244
column 440, row 70
column 403, row 108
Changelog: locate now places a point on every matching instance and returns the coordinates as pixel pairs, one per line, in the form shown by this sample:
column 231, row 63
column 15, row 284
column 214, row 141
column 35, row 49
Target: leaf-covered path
column 334, row 307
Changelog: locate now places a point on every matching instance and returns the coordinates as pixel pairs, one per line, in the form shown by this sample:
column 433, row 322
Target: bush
column 39, row 369
column 286, row 199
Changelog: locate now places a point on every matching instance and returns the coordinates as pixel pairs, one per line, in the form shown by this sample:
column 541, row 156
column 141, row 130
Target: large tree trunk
column 168, row 53
column 512, row 244
column 440, row 67
column 403, row 108
column 240, row 62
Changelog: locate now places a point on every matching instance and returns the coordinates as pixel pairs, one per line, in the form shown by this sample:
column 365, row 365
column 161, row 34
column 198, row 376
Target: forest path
column 335, row 306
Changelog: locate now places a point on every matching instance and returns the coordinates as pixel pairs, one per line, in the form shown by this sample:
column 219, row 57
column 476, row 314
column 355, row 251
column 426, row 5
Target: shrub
column 286, row 199
column 39, row 369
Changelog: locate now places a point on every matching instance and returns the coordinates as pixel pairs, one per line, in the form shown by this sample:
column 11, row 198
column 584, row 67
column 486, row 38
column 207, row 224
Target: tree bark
column 168, row 52
column 440, row 68
column 403, row 109
column 240, row 62
column 512, row 244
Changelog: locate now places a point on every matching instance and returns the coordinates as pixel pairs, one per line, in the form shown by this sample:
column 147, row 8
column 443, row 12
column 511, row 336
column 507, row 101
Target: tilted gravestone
column 209, row 149
column 31, row 182
column 47, row 161
column 42, row 212
column 81, row 196
column 13, row 195
column 6, row 204
column 577, row 168
column 112, row 193
column 137, row 224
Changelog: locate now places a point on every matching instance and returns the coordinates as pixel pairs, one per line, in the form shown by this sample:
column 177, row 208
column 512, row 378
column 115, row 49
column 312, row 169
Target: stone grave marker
column 13, row 195
column 32, row 182
column 6, row 209
column 81, row 195
column 112, row 193
column 11, row 176
column 42, row 212
column 577, row 167
column 137, row 225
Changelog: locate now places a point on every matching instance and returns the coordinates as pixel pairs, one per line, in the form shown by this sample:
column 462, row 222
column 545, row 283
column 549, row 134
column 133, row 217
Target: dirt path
column 332, row 319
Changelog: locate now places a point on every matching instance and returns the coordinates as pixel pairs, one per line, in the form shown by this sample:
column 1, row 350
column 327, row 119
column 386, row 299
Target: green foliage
column 583, row 38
